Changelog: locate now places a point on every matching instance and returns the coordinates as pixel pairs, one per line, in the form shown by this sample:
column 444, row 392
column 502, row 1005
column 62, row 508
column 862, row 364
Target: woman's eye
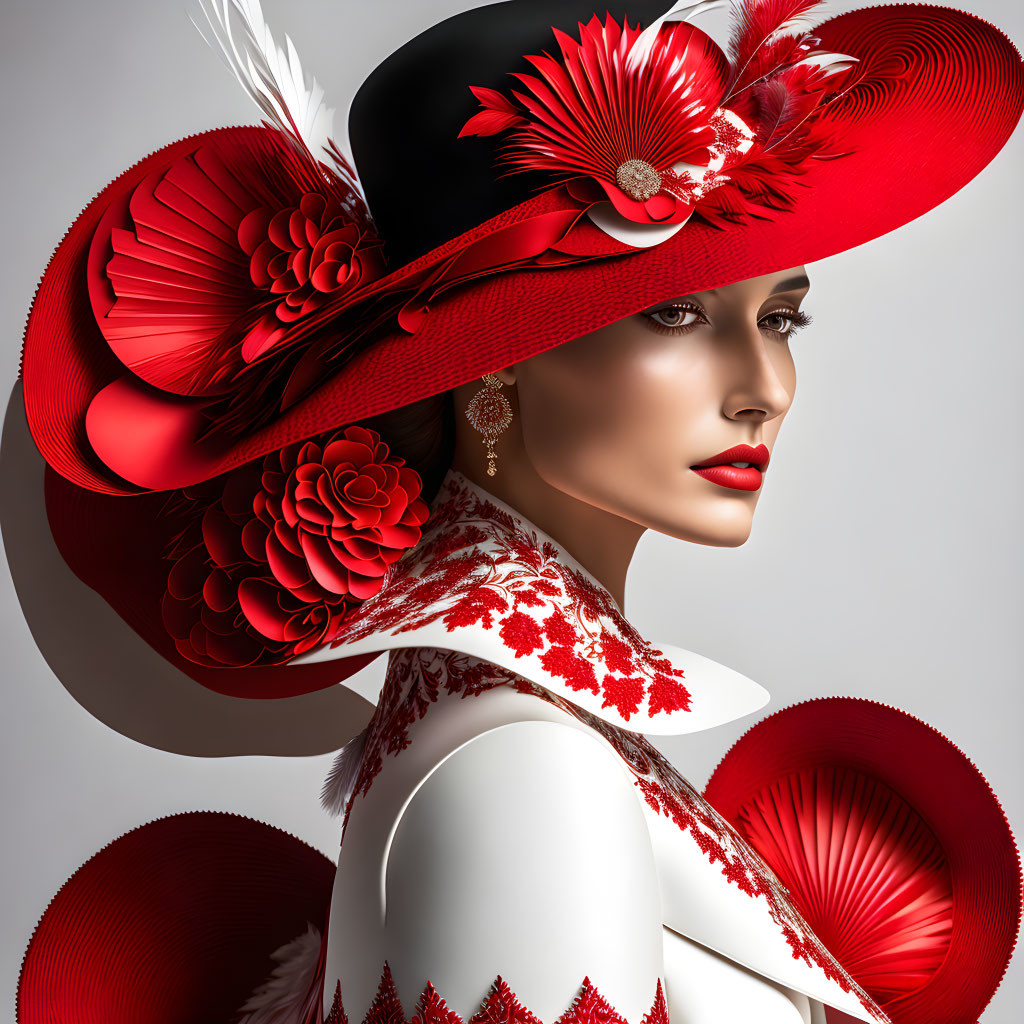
column 677, row 316
column 785, row 321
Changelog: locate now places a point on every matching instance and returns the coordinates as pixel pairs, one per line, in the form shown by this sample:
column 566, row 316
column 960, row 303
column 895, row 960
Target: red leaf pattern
column 479, row 567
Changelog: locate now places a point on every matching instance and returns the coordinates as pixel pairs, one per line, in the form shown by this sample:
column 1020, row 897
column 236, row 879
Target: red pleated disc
column 173, row 923
column 893, row 847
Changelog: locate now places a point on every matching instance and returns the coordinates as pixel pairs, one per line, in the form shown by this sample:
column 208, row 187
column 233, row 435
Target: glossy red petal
column 323, row 564
column 260, row 602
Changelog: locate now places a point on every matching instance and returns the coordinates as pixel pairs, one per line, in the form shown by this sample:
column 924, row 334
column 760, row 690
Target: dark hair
column 423, row 434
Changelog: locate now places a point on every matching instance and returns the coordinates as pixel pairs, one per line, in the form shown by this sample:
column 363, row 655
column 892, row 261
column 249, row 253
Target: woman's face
column 668, row 418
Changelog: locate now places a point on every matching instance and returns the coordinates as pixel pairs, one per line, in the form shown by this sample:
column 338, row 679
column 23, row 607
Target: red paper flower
column 304, row 254
column 278, row 557
column 339, row 515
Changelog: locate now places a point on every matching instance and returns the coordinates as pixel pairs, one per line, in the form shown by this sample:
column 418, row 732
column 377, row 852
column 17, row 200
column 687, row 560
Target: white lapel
column 486, row 582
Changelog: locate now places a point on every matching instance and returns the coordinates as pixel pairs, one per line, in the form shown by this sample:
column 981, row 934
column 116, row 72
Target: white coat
column 510, row 834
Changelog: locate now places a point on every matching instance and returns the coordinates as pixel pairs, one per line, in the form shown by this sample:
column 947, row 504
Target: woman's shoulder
column 533, row 823
column 435, row 702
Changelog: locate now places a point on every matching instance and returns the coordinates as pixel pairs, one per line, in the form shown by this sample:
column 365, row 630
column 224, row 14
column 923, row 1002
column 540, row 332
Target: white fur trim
column 341, row 779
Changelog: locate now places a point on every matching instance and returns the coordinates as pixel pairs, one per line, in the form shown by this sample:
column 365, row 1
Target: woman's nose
column 756, row 392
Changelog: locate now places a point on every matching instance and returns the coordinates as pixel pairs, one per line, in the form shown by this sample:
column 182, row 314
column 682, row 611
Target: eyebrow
column 791, row 284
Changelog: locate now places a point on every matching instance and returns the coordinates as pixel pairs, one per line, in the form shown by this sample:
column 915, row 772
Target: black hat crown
column 424, row 184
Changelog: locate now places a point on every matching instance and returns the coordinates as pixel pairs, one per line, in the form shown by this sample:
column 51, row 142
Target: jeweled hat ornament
column 220, row 318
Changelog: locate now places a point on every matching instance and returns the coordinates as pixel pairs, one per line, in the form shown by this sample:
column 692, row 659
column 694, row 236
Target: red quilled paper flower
column 304, row 254
column 274, row 560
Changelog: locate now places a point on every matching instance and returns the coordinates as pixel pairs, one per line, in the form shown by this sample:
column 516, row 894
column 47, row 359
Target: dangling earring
column 489, row 413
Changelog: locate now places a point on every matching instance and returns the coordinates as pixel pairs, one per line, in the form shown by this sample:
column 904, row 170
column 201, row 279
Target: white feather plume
column 341, row 779
column 684, row 11
column 272, row 77
column 830, row 63
column 290, row 993
column 801, row 24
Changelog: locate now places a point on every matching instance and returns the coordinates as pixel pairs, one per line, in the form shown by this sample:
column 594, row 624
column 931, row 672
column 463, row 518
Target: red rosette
column 304, row 255
column 179, row 285
column 118, row 547
column 892, row 846
column 197, row 271
column 278, row 554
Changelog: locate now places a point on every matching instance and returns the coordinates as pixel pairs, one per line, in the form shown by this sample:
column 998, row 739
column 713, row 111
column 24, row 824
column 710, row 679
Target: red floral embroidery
column 501, row 1006
column 478, row 566
column 415, row 679
column 521, row 633
column 565, row 663
column 434, row 1010
column 667, row 695
column 623, row 694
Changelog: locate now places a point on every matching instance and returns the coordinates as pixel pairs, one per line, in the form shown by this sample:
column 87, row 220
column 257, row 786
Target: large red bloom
column 278, row 555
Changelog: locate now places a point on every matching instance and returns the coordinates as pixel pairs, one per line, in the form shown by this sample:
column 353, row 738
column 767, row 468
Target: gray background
column 886, row 556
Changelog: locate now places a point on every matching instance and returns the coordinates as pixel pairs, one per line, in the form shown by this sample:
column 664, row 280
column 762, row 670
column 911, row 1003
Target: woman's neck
column 603, row 543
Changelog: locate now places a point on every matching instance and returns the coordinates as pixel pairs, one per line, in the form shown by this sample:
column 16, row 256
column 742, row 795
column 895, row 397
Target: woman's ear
column 507, row 376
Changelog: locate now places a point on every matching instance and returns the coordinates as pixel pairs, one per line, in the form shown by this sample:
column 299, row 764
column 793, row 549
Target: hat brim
column 940, row 93
column 892, row 845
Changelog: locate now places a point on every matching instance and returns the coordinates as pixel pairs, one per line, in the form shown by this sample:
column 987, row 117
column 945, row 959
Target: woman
column 318, row 542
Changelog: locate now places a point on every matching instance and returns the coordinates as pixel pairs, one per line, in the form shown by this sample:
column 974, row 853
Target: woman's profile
column 302, row 408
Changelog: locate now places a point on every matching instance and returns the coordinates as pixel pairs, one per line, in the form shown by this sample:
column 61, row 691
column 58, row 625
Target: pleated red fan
column 659, row 119
column 892, row 845
column 591, row 111
column 874, row 882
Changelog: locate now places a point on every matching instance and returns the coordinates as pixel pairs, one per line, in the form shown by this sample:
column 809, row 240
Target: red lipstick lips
column 740, row 467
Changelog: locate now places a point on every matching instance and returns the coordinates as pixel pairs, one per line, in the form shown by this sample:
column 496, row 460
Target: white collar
column 486, row 582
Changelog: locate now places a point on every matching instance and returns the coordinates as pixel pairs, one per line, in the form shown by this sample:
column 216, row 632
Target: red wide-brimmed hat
column 891, row 844
column 524, row 173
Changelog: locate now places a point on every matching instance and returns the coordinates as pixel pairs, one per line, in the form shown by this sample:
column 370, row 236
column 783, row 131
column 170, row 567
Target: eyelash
column 797, row 319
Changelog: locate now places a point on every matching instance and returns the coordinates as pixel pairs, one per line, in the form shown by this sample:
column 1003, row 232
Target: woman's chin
column 728, row 525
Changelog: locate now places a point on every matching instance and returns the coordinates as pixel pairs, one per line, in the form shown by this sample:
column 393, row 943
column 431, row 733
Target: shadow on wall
column 114, row 674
